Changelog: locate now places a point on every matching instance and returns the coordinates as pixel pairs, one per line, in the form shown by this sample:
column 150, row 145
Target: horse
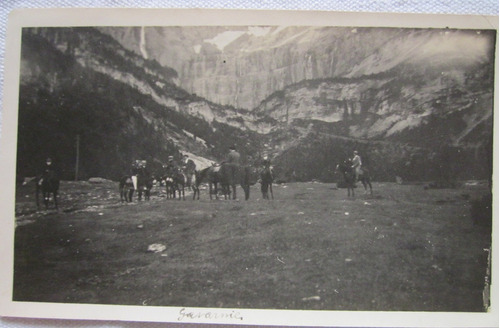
column 212, row 176
column 345, row 168
column 364, row 177
column 144, row 185
column 126, row 187
column 169, row 186
column 230, row 175
column 266, row 182
column 175, row 181
column 48, row 184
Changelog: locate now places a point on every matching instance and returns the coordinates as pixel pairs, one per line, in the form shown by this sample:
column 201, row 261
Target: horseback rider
column 356, row 165
column 49, row 170
column 187, row 164
column 171, row 165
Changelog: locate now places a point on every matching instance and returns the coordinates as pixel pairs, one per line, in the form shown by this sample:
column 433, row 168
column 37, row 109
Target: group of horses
column 223, row 179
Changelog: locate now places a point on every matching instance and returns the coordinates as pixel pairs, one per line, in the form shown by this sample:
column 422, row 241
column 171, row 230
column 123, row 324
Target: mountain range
column 416, row 103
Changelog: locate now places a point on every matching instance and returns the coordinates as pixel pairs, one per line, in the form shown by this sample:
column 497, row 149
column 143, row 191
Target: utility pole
column 77, row 156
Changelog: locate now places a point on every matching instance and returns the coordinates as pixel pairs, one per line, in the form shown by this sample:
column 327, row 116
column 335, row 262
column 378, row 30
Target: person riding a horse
column 142, row 168
column 49, row 171
column 356, row 165
column 188, row 165
column 171, row 165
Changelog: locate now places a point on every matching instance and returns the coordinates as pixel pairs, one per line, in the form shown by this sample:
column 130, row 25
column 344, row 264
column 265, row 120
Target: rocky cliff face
column 415, row 123
column 79, row 83
column 241, row 66
column 408, row 100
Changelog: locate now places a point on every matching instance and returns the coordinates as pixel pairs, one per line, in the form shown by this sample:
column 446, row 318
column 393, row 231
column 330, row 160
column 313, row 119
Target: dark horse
column 144, row 186
column 211, row 175
column 48, row 184
column 169, row 185
column 231, row 175
column 175, row 181
column 126, row 187
column 266, row 182
column 345, row 168
column 364, row 177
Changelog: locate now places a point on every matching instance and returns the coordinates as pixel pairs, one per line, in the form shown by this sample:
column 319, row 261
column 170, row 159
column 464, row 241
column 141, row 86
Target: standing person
column 356, row 165
column 233, row 160
column 189, row 167
column 233, row 167
column 134, row 171
column 48, row 183
column 266, row 179
column 233, row 157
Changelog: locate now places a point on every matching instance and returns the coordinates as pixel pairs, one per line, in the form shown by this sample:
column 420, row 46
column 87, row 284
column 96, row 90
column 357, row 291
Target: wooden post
column 77, row 156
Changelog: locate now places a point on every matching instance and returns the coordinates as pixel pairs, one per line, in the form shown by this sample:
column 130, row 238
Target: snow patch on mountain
column 221, row 40
column 259, row 30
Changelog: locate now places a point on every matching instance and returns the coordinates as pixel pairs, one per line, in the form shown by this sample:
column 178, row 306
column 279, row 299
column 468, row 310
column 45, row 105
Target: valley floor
column 402, row 249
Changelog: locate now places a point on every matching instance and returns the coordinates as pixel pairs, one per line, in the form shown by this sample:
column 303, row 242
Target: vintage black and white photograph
column 277, row 167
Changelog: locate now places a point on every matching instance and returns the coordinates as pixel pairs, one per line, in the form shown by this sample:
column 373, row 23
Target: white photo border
column 212, row 17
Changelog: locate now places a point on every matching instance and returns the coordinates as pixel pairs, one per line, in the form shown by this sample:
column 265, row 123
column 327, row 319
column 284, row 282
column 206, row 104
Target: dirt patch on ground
column 403, row 249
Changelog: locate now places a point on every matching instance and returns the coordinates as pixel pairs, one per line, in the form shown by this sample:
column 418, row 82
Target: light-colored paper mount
column 202, row 17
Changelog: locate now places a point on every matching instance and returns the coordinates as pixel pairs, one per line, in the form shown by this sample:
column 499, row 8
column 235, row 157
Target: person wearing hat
column 233, row 163
column 233, row 157
column 266, row 178
column 356, row 164
column 188, row 165
column 49, row 170
column 171, row 165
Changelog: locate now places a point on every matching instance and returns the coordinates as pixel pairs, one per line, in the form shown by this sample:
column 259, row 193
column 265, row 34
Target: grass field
column 403, row 249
